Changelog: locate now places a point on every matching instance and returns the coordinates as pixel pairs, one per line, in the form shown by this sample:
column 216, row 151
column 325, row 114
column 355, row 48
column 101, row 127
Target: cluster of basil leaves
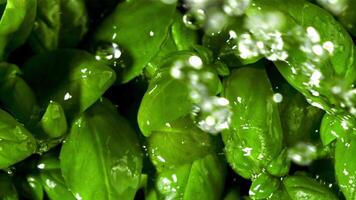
column 61, row 136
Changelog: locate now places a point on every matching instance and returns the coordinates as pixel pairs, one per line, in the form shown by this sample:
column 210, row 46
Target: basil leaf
column 299, row 119
column 72, row 78
column 160, row 105
column 115, row 158
column 263, row 186
column 189, row 142
column 343, row 11
column 8, row 191
column 203, row 179
column 345, row 167
column 32, row 187
column 16, row 143
column 17, row 96
column 302, row 187
column 58, row 24
column 16, row 24
column 255, row 136
column 312, row 72
column 54, row 185
column 139, row 45
column 54, row 122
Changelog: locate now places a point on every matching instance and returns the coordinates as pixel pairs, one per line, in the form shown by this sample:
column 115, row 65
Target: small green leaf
column 54, row 122
column 189, row 144
column 54, row 185
column 203, row 179
column 345, row 167
column 263, row 186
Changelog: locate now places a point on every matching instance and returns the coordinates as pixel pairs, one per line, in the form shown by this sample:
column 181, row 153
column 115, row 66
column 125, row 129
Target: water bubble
column 50, row 183
column 67, row 96
column 213, row 114
column 278, row 98
column 110, row 53
column 194, row 19
column 235, row 7
column 302, row 153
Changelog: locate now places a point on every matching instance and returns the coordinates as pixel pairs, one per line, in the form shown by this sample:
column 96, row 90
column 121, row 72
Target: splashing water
column 212, row 114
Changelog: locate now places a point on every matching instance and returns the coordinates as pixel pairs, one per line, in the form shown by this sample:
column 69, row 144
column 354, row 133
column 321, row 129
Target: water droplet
column 194, row 18
column 278, row 98
column 235, row 7
column 212, row 115
column 67, row 96
column 110, row 53
column 50, row 183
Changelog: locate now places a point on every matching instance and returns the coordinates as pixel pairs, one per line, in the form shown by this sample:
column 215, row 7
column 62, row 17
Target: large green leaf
column 59, row 23
column 16, row 24
column 139, row 41
column 168, row 98
column 16, row 143
column 318, row 54
column 72, row 78
column 101, row 159
column 255, row 136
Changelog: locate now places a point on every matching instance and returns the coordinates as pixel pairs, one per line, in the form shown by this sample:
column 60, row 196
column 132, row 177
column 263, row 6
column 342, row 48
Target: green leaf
column 179, row 38
column 345, row 167
column 302, row 187
column 255, row 136
column 54, row 122
column 16, row 24
column 343, row 10
column 54, row 185
column 280, row 165
column 299, row 119
column 58, row 24
column 114, row 168
column 263, row 186
column 232, row 194
column 189, row 144
column 332, row 128
column 203, row 179
column 139, row 43
column 320, row 51
column 17, row 96
column 31, row 187
column 7, row 191
column 168, row 98
column 72, row 78
column 16, row 143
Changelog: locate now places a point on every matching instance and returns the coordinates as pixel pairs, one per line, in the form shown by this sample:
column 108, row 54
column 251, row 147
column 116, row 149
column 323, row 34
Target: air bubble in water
column 213, row 114
column 194, row 19
column 109, row 52
column 235, row 7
